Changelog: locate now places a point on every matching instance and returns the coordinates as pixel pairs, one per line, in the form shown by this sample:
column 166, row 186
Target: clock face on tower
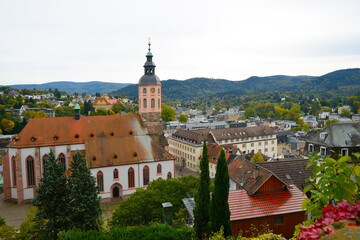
column 152, row 90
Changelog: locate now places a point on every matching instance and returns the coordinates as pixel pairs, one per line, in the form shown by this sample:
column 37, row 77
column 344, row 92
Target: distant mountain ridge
column 71, row 87
column 199, row 87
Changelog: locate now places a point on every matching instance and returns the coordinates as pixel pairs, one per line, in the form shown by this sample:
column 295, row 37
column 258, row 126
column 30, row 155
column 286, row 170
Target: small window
column 158, row 90
column 116, row 174
column 158, row 103
column 311, row 148
column 145, row 103
column 344, row 152
column 100, row 181
column 158, row 169
column 144, row 90
column 278, row 220
column 169, row 175
column 323, row 151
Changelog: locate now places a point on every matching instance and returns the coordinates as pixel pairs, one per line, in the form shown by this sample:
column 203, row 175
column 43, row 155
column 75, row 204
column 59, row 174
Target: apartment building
column 186, row 145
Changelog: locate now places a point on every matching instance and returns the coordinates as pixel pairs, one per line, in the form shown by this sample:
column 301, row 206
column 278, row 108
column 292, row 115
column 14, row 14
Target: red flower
column 352, row 225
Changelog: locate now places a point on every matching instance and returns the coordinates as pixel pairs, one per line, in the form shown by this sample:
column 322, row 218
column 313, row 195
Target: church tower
column 149, row 87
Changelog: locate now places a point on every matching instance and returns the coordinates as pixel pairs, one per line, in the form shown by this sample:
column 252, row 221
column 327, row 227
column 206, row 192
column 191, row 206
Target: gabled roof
column 338, row 135
column 112, row 140
column 293, row 172
column 251, row 184
column 244, row 206
column 212, row 135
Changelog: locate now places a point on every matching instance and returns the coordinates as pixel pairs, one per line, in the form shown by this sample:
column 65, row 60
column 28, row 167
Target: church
column 123, row 152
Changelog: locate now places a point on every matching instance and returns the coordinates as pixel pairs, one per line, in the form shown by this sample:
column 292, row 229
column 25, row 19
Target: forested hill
column 347, row 80
column 71, row 87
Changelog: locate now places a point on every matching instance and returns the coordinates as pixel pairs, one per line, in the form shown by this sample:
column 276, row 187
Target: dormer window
column 56, row 137
column 323, row 135
column 112, row 133
column 33, row 138
column 77, row 135
column 92, row 135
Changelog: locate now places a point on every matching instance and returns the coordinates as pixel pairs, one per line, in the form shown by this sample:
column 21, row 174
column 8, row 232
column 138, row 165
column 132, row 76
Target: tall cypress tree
column 202, row 197
column 85, row 203
column 219, row 206
column 52, row 201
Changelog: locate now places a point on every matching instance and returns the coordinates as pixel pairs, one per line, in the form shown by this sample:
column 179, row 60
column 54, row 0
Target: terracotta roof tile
column 103, row 136
column 251, row 184
column 244, row 206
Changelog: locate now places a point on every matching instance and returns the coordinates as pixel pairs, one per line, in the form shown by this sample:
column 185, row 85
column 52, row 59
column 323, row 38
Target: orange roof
column 102, row 135
column 244, row 206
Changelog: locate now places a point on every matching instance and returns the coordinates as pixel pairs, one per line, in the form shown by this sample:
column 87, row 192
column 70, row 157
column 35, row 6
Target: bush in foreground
column 159, row 232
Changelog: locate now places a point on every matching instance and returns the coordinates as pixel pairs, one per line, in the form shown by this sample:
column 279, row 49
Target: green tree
column 332, row 181
column 101, row 112
column 117, row 107
column 84, row 201
column 88, row 107
column 219, row 206
column 29, row 115
column 202, row 197
column 41, row 114
column 345, row 113
column 6, row 125
column 57, row 94
column 250, row 112
column 52, row 200
column 257, row 158
column 328, row 122
column 167, row 113
column 182, row 118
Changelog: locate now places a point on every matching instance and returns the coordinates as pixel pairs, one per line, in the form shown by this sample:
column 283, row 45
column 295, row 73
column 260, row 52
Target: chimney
column 77, row 112
column 256, row 172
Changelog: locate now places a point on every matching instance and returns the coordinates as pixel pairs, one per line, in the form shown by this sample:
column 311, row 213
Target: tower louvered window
column 13, row 163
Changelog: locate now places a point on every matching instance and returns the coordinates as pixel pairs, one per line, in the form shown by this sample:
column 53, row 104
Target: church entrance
column 116, row 192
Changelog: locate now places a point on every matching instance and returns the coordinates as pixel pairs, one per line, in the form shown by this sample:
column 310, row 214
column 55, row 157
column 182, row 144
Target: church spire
column 149, row 65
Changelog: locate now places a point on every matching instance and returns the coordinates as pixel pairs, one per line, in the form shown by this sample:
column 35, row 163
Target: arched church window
column 44, row 162
column 158, row 171
column 169, row 175
column 116, row 174
column 145, row 103
column 62, row 160
column 100, row 181
column 158, row 103
column 152, row 103
column 131, row 178
column 158, row 90
column 146, row 176
column 13, row 163
column 30, row 171
column 144, row 90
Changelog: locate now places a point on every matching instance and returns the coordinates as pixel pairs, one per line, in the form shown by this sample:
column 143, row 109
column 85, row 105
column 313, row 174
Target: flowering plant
column 343, row 213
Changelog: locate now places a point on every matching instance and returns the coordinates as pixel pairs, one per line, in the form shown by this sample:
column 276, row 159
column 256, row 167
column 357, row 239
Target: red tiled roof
column 244, row 206
column 251, row 184
column 112, row 140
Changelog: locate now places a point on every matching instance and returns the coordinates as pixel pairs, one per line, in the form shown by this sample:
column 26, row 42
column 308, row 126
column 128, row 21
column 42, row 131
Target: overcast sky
column 44, row 41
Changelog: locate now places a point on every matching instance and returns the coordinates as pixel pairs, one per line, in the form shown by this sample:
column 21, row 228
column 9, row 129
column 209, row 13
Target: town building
column 335, row 139
column 258, row 197
column 186, row 145
column 104, row 102
column 122, row 151
column 20, row 112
